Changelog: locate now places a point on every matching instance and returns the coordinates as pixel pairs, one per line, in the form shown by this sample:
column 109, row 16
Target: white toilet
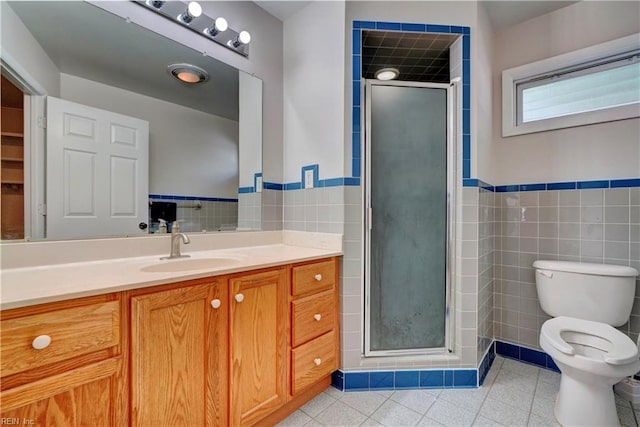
column 587, row 300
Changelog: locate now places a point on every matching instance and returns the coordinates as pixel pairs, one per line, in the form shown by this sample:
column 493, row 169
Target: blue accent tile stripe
column 406, row 379
column 393, row 26
column 592, row 184
column 356, row 68
column 561, row 186
column 272, row 186
column 524, row 354
column 421, row 28
column 202, row 199
column 569, row 185
column 620, row 183
column 245, row 190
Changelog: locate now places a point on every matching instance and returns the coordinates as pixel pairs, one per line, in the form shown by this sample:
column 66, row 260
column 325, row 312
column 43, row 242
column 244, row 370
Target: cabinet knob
column 317, row 316
column 239, row 297
column 317, row 361
column 216, row 303
column 318, row 277
column 41, row 341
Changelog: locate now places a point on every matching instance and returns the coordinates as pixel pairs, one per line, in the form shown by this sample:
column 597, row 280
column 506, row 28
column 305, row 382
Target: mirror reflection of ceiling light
column 188, row 73
column 219, row 26
column 387, row 74
column 193, row 11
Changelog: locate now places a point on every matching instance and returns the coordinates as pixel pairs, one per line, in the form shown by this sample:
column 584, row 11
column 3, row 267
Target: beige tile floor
column 513, row 394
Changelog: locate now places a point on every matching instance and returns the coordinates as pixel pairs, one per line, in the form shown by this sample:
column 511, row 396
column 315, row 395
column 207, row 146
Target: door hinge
column 42, row 122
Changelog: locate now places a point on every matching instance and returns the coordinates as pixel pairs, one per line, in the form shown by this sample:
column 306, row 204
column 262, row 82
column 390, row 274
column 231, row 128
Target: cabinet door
column 179, row 360
column 258, row 345
column 80, row 397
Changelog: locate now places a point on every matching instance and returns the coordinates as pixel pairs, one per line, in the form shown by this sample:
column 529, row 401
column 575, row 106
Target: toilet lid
column 622, row 350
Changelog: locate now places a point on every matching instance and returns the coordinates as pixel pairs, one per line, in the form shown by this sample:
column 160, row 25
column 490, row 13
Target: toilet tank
column 598, row 292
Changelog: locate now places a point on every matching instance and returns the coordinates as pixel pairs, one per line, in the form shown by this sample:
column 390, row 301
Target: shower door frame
column 451, row 172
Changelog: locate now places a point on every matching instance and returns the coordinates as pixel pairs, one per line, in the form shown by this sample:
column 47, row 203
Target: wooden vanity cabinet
column 62, row 363
column 179, row 355
column 258, row 345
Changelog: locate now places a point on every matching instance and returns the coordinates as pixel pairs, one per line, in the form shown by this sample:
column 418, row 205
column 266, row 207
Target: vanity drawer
column 313, row 316
column 313, row 361
column 315, row 277
column 61, row 334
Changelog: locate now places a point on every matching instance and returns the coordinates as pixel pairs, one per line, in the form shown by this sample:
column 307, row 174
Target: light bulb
column 244, row 37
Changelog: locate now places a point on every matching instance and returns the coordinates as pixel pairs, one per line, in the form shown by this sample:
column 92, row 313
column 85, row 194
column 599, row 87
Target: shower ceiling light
column 387, row 74
column 188, row 73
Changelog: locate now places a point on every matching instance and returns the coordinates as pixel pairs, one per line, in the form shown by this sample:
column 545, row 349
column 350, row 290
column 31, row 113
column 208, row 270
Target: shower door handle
column 370, row 218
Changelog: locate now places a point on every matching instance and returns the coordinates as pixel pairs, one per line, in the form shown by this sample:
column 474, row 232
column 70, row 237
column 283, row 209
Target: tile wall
column 250, row 211
column 272, row 210
column 486, row 256
column 200, row 215
column 587, row 225
column 318, row 209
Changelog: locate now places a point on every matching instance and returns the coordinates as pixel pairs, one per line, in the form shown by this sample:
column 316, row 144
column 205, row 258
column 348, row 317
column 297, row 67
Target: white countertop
column 26, row 286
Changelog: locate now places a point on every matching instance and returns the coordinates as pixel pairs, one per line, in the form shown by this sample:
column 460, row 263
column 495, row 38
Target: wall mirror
column 202, row 157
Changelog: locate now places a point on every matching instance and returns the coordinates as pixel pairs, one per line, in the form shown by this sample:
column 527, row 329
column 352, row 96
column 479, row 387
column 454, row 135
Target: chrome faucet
column 176, row 236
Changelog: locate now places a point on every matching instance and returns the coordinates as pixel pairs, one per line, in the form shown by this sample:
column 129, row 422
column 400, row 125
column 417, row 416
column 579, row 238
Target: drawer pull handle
column 317, row 317
column 41, row 342
column 317, row 361
column 216, row 303
column 318, row 277
column 239, row 297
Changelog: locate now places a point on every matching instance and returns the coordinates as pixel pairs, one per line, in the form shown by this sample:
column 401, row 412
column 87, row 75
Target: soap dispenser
column 162, row 228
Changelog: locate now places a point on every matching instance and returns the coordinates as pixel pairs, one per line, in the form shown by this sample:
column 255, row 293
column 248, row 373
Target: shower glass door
column 406, row 238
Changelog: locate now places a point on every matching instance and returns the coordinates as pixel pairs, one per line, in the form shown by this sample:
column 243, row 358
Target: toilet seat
column 620, row 349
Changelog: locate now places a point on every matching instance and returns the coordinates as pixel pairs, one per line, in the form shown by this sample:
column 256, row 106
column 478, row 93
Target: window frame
column 513, row 76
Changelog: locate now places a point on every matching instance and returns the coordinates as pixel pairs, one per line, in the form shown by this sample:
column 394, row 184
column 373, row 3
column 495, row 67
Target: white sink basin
column 187, row 264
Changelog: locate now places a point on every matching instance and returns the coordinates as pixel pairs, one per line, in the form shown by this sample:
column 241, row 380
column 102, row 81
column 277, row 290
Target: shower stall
column 410, row 164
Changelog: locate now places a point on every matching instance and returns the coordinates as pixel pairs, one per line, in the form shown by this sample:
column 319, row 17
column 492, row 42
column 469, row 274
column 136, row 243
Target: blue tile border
column 525, row 354
column 245, row 190
column 404, row 379
column 486, row 363
column 567, row 185
column 202, row 199
column 356, row 84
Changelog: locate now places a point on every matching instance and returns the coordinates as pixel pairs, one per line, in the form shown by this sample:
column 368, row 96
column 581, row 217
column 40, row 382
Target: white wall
column 314, row 116
column 599, row 151
column 23, row 53
column 482, row 157
column 191, row 153
column 250, row 131
column 265, row 58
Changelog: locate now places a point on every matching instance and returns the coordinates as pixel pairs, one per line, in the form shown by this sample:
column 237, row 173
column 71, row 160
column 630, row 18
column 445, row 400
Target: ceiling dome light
column 188, row 73
column 387, row 74
column 193, row 11
column 219, row 26
column 243, row 38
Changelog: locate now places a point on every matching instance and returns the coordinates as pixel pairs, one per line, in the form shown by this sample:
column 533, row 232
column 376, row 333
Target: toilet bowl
column 592, row 357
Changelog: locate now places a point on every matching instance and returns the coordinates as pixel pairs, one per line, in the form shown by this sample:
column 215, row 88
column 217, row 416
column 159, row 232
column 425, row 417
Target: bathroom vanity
column 242, row 343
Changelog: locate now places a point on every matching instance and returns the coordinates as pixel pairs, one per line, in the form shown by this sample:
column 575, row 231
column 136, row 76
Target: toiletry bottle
column 162, row 228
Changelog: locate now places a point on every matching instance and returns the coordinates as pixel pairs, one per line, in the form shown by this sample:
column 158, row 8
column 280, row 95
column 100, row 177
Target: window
column 593, row 85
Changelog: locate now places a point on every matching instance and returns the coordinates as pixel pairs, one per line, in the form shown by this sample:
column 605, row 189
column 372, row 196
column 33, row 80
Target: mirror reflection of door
column 97, row 171
column 12, row 169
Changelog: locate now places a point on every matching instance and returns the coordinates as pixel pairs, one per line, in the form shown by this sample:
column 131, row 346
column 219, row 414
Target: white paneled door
column 97, row 172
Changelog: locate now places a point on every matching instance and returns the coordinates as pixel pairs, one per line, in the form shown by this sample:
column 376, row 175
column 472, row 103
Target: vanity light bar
column 190, row 15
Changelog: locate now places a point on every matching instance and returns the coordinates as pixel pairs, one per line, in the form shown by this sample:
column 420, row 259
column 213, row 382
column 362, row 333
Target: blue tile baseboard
column 486, row 363
column 525, row 354
column 404, row 379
